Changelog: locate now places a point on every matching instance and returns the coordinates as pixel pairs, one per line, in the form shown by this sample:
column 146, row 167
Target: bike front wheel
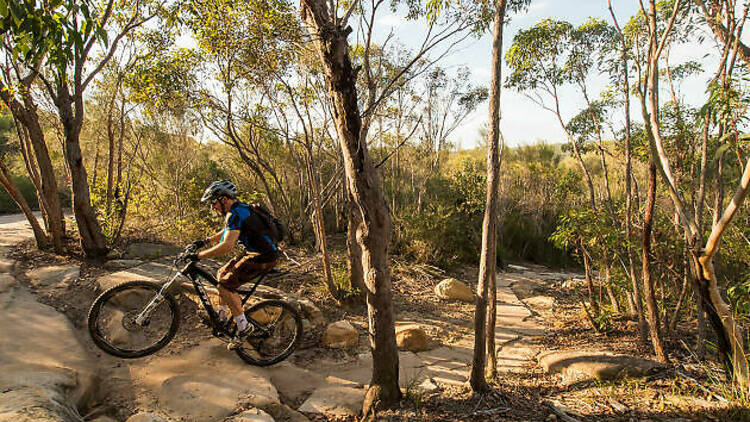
column 276, row 333
column 132, row 319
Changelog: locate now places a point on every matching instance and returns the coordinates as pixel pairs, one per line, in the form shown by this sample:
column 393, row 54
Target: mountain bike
column 137, row 318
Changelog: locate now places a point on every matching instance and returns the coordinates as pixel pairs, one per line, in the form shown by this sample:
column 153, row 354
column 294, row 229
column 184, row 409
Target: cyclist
column 243, row 224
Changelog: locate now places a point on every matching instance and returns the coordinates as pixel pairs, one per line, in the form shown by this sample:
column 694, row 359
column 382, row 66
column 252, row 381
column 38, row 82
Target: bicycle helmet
column 218, row 189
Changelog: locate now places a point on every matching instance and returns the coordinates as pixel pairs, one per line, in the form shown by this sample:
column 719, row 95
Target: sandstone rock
column 577, row 365
column 117, row 264
column 53, row 275
column 6, row 282
column 253, row 415
column 45, row 373
column 151, row 271
column 104, row 419
column 312, row 312
column 334, row 400
column 145, row 417
column 295, row 384
column 412, row 337
column 148, row 250
column 545, row 303
column 266, row 315
column 206, row 383
column 6, row 265
column 340, row 335
column 452, row 289
column 426, row 386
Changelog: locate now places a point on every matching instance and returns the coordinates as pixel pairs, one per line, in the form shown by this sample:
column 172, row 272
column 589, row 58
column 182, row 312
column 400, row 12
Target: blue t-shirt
column 252, row 229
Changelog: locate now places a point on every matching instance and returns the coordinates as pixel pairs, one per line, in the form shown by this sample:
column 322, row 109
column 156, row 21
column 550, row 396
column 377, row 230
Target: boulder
column 334, row 400
column 545, row 303
column 412, row 337
column 149, row 250
column 53, row 275
column 427, row 385
column 340, row 335
column 452, row 289
column 40, row 379
column 576, row 366
column 145, row 417
column 252, row 415
column 311, row 312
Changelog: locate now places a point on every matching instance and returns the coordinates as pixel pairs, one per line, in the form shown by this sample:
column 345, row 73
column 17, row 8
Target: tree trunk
column 42, row 241
column 730, row 340
column 320, row 225
column 364, row 185
column 92, row 239
column 648, row 285
column 354, row 251
column 589, row 280
column 683, row 292
column 488, row 259
column 50, row 204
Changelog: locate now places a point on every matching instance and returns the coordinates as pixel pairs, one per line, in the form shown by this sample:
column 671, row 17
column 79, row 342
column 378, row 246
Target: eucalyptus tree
column 539, row 59
column 58, row 40
column 6, row 181
column 16, row 91
column 554, row 54
column 330, row 31
column 243, row 45
column 726, row 110
column 484, row 324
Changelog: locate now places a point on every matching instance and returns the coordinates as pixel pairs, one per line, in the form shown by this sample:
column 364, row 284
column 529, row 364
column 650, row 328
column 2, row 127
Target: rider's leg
column 221, row 306
column 232, row 299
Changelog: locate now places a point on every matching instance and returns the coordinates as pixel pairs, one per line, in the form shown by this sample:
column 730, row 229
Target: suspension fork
column 143, row 317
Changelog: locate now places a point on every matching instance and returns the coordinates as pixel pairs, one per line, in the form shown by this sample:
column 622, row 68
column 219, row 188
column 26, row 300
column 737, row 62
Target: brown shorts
column 240, row 270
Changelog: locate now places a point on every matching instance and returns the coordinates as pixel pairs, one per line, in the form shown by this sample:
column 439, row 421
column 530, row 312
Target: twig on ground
column 702, row 388
column 490, row 411
column 560, row 410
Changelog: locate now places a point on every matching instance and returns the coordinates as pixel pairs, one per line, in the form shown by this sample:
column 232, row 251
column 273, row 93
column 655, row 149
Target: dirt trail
column 197, row 379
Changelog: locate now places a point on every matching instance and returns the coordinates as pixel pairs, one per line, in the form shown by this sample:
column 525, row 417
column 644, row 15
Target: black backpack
column 275, row 229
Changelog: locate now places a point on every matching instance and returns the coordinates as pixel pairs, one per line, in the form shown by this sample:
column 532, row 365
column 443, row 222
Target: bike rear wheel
column 113, row 323
column 278, row 331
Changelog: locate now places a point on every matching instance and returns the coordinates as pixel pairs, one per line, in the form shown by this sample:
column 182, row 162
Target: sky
column 524, row 122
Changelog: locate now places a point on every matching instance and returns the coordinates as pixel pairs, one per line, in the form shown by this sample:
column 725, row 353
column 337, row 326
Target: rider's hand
column 199, row 243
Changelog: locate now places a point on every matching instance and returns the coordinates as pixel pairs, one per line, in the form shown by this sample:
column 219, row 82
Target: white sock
column 241, row 322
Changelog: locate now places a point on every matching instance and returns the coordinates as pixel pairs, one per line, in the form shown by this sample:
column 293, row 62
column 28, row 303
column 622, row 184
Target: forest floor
column 527, row 326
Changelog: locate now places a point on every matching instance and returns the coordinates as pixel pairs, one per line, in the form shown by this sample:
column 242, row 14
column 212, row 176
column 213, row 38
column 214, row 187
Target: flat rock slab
column 252, row 415
column 149, row 250
column 577, row 365
column 117, row 264
column 150, row 271
column 206, row 383
column 540, row 303
column 335, row 400
column 45, row 373
column 6, row 265
column 145, row 417
column 53, row 275
column 294, row 384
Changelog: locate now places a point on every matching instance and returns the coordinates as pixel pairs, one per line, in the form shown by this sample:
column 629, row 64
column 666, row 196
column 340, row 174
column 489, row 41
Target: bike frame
column 191, row 271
